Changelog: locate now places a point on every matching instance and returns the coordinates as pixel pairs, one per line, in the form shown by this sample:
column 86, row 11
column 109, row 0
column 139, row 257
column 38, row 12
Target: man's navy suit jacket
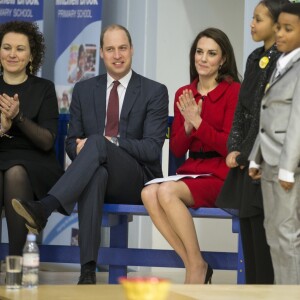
column 143, row 119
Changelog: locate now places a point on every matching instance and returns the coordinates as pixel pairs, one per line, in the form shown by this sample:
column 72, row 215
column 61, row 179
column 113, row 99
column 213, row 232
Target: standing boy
column 277, row 151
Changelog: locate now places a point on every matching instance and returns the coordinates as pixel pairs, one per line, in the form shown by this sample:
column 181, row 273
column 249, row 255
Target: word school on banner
column 18, row 12
column 72, row 13
column 26, row 10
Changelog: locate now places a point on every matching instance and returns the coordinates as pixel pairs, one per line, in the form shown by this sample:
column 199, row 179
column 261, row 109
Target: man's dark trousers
column 101, row 172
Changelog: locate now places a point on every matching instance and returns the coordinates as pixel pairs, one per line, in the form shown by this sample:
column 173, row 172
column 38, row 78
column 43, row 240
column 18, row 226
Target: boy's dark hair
column 292, row 8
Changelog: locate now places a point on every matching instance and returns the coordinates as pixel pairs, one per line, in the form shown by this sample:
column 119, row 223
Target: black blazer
column 143, row 120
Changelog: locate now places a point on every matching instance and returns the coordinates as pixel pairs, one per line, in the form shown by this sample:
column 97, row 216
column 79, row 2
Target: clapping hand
column 9, row 106
column 190, row 110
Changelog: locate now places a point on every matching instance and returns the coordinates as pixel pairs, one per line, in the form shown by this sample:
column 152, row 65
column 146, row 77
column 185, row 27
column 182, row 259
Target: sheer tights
column 14, row 183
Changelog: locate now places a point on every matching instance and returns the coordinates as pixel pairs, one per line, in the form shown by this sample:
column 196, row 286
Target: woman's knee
column 16, row 174
column 149, row 194
column 166, row 192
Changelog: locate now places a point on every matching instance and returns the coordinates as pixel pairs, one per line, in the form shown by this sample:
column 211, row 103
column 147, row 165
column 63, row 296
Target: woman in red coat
column 203, row 112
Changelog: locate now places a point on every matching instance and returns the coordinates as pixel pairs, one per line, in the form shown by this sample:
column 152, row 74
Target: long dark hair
column 35, row 38
column 229, row 68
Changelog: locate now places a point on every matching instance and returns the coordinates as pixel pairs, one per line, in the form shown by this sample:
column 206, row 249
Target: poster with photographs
column 78, row 28
column 82, row 62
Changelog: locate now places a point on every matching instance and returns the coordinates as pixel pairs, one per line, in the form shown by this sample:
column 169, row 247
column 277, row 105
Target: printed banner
column 78, row 28
column 24, row 10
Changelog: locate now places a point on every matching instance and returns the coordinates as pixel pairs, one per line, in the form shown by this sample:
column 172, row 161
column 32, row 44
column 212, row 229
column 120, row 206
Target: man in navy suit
column 105, row 168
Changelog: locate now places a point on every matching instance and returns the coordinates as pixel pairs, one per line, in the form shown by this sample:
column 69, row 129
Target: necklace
column 13, row 82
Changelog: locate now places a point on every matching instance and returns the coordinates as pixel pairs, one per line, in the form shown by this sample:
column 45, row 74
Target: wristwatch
column 114, row 140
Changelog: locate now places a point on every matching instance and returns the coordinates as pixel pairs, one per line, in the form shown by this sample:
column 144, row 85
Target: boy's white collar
column 285, row 58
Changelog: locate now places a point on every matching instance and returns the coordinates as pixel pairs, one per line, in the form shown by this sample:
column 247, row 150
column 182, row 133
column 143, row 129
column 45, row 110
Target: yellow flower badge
column 263, row 62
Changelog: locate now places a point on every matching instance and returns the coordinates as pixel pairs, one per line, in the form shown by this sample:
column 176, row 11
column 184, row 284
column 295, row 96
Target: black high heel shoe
column 208, row 275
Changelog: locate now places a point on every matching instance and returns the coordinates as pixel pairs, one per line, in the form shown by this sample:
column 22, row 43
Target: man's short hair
column 115, row 26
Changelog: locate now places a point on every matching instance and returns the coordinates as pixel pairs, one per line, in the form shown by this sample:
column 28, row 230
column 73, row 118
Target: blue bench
column 117, row 256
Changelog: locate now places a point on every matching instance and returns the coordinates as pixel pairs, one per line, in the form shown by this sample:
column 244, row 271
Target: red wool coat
column 217, row 115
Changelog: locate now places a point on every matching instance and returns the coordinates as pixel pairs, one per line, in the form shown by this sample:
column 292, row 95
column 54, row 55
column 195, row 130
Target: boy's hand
column 255, row 174
column 286, row 185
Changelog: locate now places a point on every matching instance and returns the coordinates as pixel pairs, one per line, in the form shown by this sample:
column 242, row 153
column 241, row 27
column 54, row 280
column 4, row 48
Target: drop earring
column 30, row 67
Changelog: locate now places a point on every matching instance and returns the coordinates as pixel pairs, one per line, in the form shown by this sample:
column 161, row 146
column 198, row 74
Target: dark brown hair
column 229, row 69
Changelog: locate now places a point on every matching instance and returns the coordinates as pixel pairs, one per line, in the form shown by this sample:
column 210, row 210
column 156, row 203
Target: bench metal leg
column 241, row 264
column 118, row 239
column 240, row 253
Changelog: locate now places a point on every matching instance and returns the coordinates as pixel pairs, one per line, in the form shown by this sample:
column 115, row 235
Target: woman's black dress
column 38, row 103
column 239, row 190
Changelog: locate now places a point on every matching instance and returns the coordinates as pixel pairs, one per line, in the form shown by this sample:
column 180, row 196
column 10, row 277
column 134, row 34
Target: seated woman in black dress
column 29, row 114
